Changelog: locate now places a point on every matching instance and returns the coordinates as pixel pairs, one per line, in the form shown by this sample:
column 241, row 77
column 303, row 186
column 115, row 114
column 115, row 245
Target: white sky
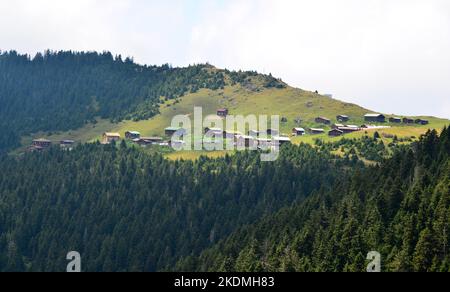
column 388, row 55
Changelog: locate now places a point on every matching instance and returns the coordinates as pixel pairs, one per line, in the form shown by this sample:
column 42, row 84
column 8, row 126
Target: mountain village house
column 223, row 112
column 298, row 132
column 153, row 140
column 108, row 138
column 337, row 126
column 281, row 140
column 131, row 135
column 39, row 145
column 395, row 120
column 408, row 121
column 349, row 129
column 316, row 131
column 375, row 118
column 170, row 131
column 323, row 120
column 145, row 141
column 422, row 122
column 343, row 118
column 43, row 143
column 335, row 133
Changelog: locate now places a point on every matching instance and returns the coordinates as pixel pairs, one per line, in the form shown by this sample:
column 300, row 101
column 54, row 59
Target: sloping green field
column 290, row 103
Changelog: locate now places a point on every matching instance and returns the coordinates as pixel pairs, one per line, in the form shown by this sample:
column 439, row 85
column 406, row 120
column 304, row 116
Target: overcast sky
column 391, row 56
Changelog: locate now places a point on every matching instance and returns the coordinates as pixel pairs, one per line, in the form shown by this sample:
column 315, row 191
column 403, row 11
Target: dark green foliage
column 9, row 138
column 125, row 210
column 245, row 78
column 400, row 209
column 60, row 91
column 368, row 148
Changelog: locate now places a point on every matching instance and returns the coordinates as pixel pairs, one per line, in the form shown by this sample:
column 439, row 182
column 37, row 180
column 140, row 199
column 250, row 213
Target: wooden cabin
column 336, row 126
column 281, row 140
column 375, row 118
column 335, row 133
column 41, row 143
column 144, row 141
column 108, row 138
column 342, row 118
column 131, row 135
column 223, row 112
column 298, row 131
column 349, row 129
column 422, row 122
column 408, row 121
column 170, row 131
column 153, row 139
column 323, row 120
column 395, row 120
column 316, row 131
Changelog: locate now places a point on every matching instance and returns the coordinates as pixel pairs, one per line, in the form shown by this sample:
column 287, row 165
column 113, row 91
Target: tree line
column 126, row 210
column 61, row 91
column 400, row 208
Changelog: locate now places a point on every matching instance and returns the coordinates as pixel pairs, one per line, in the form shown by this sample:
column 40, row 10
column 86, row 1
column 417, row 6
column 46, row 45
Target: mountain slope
column 125, row 210
column 68, row 95
column 400, row 209
column 61, row 91
column 287, row 102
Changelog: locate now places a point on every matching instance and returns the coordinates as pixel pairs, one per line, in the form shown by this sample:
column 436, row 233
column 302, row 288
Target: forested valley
column 125, row 210
column 400, row 209
column 320, row 207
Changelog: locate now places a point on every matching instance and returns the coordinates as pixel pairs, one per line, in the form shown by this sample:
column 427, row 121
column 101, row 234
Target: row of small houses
column 135, row 136
column 373, row 118
column 43, row 144
column 341, row 129
column 253, row 137
column 395, row 120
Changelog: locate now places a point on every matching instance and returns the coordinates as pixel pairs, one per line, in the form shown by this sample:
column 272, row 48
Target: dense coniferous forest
column 400, row 208
column 60, row 91
column 125, row 210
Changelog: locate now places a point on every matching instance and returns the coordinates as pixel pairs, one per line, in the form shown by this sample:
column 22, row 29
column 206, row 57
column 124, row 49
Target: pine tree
column 423, row 255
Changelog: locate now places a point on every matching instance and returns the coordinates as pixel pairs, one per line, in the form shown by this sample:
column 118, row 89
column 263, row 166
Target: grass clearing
column 290, row 103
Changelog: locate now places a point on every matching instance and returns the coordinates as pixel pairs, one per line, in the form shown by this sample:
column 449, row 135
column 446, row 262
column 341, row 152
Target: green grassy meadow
column 289, row 103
